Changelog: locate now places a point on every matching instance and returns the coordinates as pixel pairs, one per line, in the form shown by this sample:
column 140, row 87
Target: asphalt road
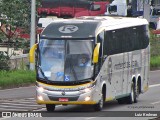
column 148, row 102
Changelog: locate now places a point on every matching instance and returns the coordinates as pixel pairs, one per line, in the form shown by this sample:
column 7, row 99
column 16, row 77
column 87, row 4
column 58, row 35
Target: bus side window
column 108, row 49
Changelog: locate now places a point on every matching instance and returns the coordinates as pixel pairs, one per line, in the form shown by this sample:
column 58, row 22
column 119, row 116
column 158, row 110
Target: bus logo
column 68, row 29
column 63, row 93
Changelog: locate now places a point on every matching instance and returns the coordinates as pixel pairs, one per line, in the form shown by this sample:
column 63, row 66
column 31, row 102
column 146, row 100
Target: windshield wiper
column 42, row 72
column 38, row 65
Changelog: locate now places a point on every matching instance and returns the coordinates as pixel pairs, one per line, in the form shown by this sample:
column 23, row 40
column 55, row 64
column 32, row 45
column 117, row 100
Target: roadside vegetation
column 16, row 78
column 155, row 52
column 155, row 62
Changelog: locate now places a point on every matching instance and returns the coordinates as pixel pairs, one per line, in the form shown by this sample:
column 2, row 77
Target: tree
column 15, row 19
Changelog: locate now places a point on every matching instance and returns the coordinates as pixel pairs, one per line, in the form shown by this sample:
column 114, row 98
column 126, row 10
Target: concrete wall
column 19, row 62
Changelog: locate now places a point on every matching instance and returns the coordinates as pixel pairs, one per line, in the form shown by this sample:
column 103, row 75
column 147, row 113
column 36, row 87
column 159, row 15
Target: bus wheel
column 99, row 105
column 50, row 107
column 121, row 100
column 132, row 98
column 138, row 91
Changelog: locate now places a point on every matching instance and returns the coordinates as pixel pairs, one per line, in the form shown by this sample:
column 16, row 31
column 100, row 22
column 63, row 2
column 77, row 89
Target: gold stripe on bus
column 70, row 102
column 74, row 86
column 109, row 99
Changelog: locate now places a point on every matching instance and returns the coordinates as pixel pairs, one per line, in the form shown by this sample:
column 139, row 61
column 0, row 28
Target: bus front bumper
column 45, row 96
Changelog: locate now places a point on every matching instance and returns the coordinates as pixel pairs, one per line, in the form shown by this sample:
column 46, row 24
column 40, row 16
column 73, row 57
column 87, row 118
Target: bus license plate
column 63, row 99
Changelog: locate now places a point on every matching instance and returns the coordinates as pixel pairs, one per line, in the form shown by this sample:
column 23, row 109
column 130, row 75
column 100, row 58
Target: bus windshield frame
column 65, row 60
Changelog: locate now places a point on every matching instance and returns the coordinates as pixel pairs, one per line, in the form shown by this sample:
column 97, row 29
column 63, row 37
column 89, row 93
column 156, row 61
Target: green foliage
column 15, row 13
column 155, row 45
column 155, row 62
column 155, row 51
column 4, row 61
column 16, row 78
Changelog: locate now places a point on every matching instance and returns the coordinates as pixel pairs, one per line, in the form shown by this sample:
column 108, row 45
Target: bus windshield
column 65, row 60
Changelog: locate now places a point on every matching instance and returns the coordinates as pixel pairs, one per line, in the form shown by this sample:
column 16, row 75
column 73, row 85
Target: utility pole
column 33, row 29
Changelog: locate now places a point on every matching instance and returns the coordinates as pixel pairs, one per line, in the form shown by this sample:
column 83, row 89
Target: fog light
column 87, row 98
column 40, row 98
column 41, row 89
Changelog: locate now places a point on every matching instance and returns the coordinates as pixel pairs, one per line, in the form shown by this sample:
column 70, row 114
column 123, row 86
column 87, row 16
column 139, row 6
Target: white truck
column 117, row 7
column 133, row 8
column 148, row 9
column 154, row 16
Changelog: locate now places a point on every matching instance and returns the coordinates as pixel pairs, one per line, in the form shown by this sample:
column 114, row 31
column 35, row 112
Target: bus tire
column 99, row 105
column 50, row 107
column 138, row 91
column 132, row 98
column 121, row 100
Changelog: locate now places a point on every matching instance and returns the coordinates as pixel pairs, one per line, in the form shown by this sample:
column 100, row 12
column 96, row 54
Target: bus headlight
column 86, row 90
column 40, row 89
column 87, row 98
column 40, row 98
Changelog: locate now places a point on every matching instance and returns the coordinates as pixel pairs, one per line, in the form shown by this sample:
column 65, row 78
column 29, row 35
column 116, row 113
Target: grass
column 16, row 78
column 155, row 51
column 155, row 62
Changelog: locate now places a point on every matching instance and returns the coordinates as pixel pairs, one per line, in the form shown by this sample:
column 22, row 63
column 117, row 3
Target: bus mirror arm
column 32, row 52
column 96, row 53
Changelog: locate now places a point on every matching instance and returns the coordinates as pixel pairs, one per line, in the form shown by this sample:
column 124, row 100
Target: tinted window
column 96, row 7
column 126, row 39
column 100, row 39
column 112, row 8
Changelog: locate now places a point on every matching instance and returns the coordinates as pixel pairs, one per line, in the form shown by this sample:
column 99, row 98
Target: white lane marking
column 156, row 85
column 25, row 102
column 90, row 118
column 12, row 109
column 13, row 104
column 18, row 101
column 17, row 88
column 23, row 107
column 4, row 118
column 29, row 100
column 155, row 102
column 41, row 109
column 44, row 109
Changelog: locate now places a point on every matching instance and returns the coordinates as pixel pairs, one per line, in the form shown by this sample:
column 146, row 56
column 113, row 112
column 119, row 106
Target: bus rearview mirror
column 32, row 52
column 96, row 53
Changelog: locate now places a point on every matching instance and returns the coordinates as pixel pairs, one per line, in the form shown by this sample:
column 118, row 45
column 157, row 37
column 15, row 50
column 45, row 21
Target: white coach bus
column 90, row 60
